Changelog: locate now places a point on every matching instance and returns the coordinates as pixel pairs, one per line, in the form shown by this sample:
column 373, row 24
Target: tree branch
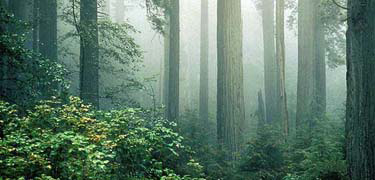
column 338, row 5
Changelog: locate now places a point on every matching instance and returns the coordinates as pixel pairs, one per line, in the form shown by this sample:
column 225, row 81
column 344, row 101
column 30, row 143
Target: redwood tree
column 360, row 112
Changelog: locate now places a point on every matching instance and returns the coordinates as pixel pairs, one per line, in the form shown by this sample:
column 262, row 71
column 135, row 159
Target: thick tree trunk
column 360, row 113
column 311, row 92
column 230, row 95
column 306, row 57
column 320, row 64
column 280, row 53
column 270, row 69
column 48, row 29
column 89, row 56
column 203, row 92
column 174, row 62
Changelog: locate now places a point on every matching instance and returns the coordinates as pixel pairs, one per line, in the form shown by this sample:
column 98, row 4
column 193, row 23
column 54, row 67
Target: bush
column 72, row 141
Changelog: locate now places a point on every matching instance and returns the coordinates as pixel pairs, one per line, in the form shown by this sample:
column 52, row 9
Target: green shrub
column 72, row 141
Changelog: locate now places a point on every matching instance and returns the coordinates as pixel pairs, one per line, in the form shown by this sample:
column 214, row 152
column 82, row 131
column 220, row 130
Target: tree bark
column 261, row 112
column 280, row 53
column 320, row 63
column 89, row 56
column 174, row 62
column 48, row 29
column 270, row 69
column 306, row 57
column 230, row 95
column 360, row 113
column 166, row 64
column 203, row 92
column 311, row 92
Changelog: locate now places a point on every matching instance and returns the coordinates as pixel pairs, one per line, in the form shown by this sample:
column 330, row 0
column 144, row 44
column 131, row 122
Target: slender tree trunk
column 306, row 57
column 230, row 95
column 166, row 62
column 36, row 21
column 360, row 112
column 89, row 56
column 174, row 61
column 203, row 92
column 280, row 52
column 261, row 112
column 270, row 69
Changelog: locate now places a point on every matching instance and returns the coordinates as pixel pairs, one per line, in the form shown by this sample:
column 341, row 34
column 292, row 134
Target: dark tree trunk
column 89, row 56
column 360, row 113
column 48, row 29
column 230, row 94
column 203, row 92
column 174, row 61
column 270, row 69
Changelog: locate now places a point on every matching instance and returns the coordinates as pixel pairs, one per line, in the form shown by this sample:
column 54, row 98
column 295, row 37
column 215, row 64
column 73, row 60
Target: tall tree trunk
column 166, row 63
column 230, row 95
column 203, row 92
column 261, row 113
column 174, row 61
column 36, row 21
column 311, row 92
column 280, row 53
column 89, row 56
column 48, row 29
column 306, row 57
column 270, row 69
column 360, row 112
column 320, row 63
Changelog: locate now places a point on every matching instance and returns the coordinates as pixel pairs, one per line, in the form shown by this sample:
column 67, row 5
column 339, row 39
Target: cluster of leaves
column 24, row 73
column 72, row 141
column 319, row 154
column 157, row 12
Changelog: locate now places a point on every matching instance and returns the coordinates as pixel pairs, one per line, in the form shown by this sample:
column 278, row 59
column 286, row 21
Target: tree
column 360, row 112
column 280, row 54
column 311, row 64
column 89, row 55
column 174, row 61
column 320, row 62
column 203, row 88
column 230, row 95
column 48, row 29
column 270, row 69
column 166, row 61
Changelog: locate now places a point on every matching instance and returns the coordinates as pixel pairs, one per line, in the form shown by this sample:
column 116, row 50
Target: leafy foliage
column 71, row 141
column 26, row 77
